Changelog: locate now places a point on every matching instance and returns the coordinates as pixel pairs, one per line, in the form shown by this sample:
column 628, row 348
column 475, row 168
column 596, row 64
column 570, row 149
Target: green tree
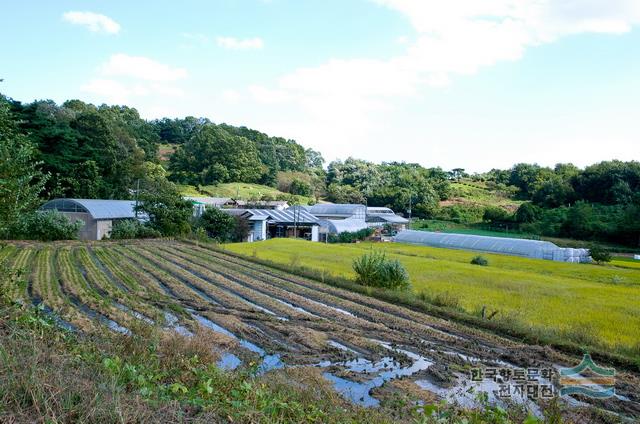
column 167, row 211
column 219, row 225
column 215, row 146
column 21, row 182
column 49, row 226
column 527, row 213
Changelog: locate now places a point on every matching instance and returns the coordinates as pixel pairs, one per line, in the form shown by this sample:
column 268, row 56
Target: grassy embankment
column 591, row 305
column 244, row 191
column 477, row 193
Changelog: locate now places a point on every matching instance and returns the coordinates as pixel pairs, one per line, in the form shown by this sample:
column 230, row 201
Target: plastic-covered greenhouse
column 337, row 226
column 506, row 246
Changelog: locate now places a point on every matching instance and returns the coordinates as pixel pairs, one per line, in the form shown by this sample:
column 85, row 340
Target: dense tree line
column 85, row 151
column 397, row 185
column 599, row 202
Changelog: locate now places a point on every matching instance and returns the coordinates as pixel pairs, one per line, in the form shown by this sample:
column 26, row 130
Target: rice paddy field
column 369, row 351
column 591, row 304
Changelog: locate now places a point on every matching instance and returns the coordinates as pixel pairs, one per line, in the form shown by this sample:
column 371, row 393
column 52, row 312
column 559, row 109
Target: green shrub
column 599, row 254
column 479, row 260
column 49, row 226
column 350, row 236
column 132, row 229
column 375, row 270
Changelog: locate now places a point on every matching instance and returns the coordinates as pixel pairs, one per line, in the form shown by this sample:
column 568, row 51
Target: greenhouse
column 507, row 246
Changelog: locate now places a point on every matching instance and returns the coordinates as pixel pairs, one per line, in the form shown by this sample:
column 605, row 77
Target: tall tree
column 21, row 182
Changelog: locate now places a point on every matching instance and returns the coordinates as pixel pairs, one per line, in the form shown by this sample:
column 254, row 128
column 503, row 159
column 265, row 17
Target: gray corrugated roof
column 286, row 216
column 97, row 208
column 336, row 209
column 388, row 217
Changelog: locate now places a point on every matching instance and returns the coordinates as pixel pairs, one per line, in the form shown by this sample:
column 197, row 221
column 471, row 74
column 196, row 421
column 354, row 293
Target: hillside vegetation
column 244, row 191
column 589, row 304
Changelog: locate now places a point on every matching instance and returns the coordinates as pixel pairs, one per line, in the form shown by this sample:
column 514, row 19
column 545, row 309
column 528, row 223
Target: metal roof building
column 502, row 245
column 97, row 214
column 337, row 226
column 338, row 211
column 385, row 215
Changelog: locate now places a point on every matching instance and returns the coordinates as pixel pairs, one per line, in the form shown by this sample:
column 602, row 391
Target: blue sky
column 462, row 83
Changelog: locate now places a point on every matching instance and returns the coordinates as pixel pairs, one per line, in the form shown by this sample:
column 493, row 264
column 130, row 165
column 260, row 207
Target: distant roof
column 337, row 226
column 286, row 216
column 97, row 208
column 387, row 217
column 375, row 210
column 328, row 209
column 209, row 200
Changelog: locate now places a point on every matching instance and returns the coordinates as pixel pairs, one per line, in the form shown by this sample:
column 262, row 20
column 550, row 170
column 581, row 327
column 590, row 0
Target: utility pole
column 410, row 196
column 295, row 223
column 137, row 191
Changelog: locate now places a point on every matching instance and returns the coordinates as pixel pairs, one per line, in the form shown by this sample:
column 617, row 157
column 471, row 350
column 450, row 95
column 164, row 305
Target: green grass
column 457, row 228
column 244, row 191
column 477, row 192
column 593, row 305
column 625, row 262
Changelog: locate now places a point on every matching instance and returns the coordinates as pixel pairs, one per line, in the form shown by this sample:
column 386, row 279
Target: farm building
column 201, row 203
column 378, row 217
column 338, row 218
column 337, row 226
column 98, row 215
column 338, row 211
column 507, row 246
column 272, row 223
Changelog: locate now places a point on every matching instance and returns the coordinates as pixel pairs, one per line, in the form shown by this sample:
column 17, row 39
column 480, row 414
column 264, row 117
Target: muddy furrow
column 159, row 281
column 434, row 329
column 291, row 300
column 221, row 292
column 120, row 298
column 234, row 285
column 110, row 276
column 393, row 322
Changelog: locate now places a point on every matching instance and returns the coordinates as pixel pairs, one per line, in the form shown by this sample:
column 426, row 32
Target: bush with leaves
column 49, row 226
column 479, row 260
column 599, row 254
column 375, row 270
column 223, row 227
column 132, row 229
column 350, row 236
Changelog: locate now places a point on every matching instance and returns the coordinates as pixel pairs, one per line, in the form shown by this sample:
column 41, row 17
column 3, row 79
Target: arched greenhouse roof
column 337, row 226
column 97, row 208
column 337, row 209
column 503, row 245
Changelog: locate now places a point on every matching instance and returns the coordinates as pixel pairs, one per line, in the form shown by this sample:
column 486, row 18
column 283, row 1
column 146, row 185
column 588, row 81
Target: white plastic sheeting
column 337, row 226
column 502, row 245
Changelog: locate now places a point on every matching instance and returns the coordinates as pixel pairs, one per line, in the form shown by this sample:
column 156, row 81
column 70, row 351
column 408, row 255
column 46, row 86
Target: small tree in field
column 599, row 254
column 374, row 269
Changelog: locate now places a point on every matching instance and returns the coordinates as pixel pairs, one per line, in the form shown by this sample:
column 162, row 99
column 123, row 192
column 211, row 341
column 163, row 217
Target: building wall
column 103, row 229
column 259, row 230
column 89, row 230
column 315, row 230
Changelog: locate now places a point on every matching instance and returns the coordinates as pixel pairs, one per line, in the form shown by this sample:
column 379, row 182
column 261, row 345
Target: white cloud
column 123, row 78
column 95, row 22
column 141, row 68
column 455, row 37
column 233, row 43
